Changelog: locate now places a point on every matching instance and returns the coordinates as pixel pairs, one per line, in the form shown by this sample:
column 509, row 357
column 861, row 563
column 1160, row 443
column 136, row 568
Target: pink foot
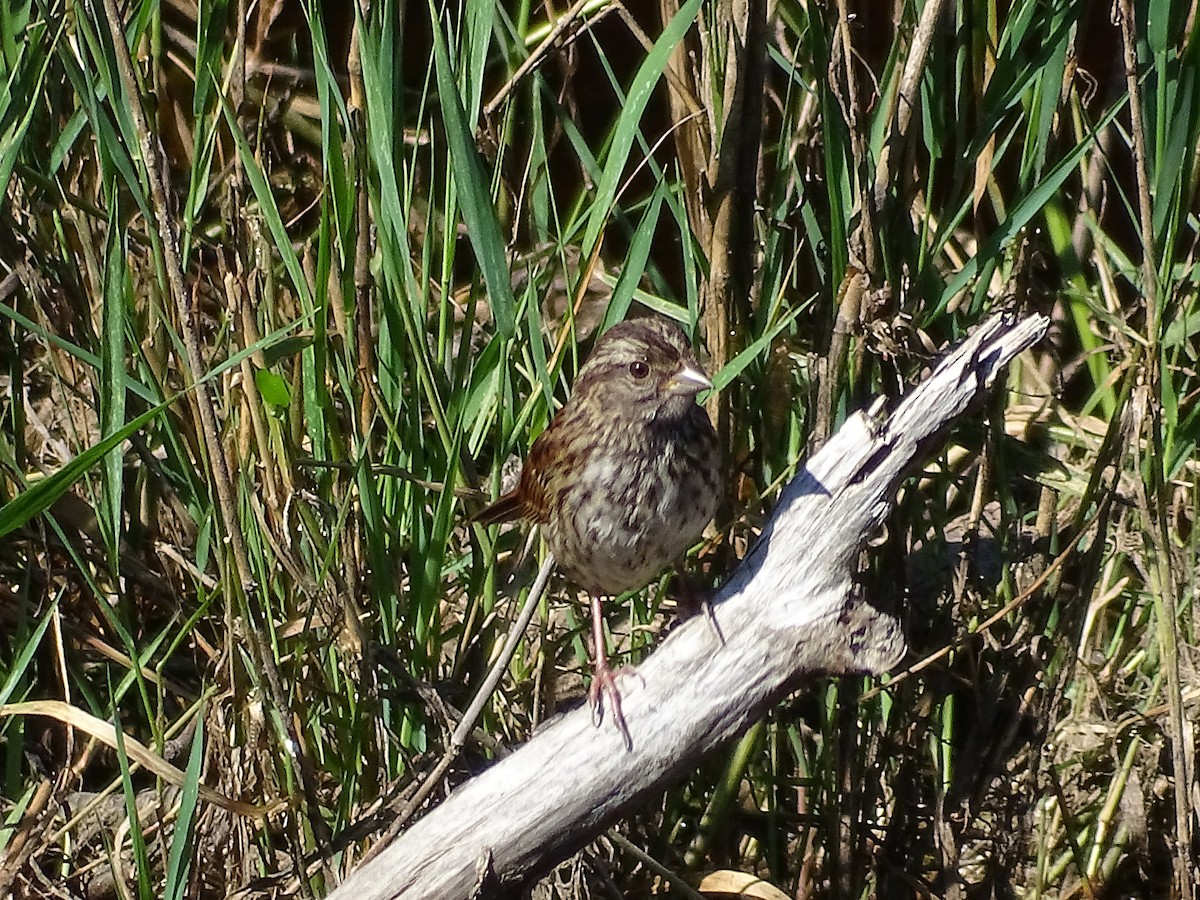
column 603, row 691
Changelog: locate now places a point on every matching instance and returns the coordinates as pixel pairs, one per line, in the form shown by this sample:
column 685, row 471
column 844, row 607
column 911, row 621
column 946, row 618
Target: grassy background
column 252, row 387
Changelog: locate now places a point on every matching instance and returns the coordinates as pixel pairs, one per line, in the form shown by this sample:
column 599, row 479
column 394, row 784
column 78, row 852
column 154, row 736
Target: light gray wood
column 789, row 610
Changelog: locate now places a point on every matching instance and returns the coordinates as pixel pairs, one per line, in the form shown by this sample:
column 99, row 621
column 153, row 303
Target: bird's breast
column 634, row 505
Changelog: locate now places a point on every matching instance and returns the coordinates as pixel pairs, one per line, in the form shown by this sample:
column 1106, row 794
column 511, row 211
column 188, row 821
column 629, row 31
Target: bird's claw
column 604, row 691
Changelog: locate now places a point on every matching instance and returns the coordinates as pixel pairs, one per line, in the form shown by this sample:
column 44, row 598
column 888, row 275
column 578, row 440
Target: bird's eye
column 639, row 369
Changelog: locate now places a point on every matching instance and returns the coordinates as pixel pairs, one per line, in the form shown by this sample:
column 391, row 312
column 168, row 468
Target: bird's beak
column 688, row 380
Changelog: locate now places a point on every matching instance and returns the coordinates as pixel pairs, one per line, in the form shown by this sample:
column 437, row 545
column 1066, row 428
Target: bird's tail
column 506, row 509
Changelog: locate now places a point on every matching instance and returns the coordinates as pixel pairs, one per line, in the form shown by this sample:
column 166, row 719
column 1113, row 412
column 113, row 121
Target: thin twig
column 733, row 167
column 1153, row 497
column 515, row 632
column 906, row 96
column 1017, row 602
column 677, row 881
column 863, row 240
column 156, row 175
column 459, row 739
column 535, row 58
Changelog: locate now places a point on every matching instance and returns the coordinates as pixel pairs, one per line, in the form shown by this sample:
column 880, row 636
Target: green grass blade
column 182, row 846
column 629, row 122
column 475, row 201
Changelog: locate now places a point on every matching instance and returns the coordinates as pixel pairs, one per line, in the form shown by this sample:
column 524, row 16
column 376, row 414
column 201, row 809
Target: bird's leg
column 692, row 597
column 604, row 680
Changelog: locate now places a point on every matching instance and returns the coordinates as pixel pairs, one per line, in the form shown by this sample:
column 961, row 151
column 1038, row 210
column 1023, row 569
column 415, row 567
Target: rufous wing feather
column 531, row 498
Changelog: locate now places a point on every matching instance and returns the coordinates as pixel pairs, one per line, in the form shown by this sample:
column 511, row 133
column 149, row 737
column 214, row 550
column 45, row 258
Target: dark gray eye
column 639, row 369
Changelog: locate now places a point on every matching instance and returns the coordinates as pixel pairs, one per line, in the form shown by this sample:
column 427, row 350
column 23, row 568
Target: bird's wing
column 536, row 476
column 530, row 500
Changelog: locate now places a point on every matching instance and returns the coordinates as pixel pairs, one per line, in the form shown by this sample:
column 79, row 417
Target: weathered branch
column 789, row 610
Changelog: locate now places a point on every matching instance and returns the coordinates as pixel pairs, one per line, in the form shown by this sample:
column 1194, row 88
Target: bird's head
column 645, row 367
